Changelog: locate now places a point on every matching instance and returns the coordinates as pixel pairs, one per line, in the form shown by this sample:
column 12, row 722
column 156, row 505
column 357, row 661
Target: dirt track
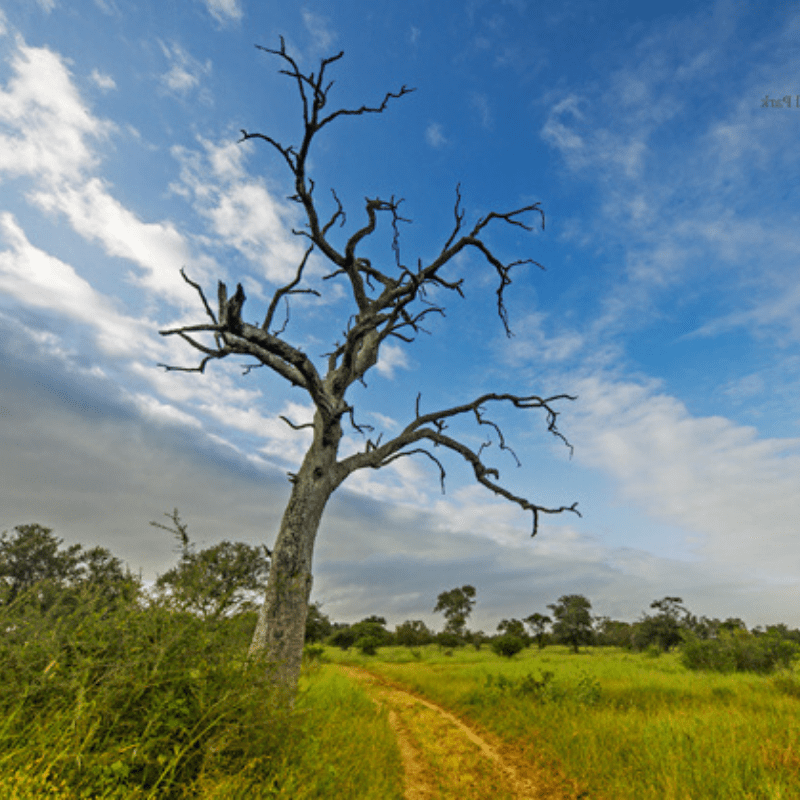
column 445, row 758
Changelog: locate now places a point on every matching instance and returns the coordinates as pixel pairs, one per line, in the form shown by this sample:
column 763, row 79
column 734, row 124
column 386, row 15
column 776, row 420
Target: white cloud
column 387, row 422
column 224, row 10
column 47, row 124
column 37, row 279
column 103, row 81
column 480, row 102
column 241, row 210
column 533, row 345
column 46, row 5
column 390, row 358
column 737, row 491
column 156, row 247
column 434, row 135
column 319, row 27
column 185, row 71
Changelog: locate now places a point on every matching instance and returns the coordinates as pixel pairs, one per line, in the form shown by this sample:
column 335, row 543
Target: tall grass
column 137, row 700
column 623, row 725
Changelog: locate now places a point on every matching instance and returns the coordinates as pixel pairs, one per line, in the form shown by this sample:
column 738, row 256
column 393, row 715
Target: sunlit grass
column 624, row 725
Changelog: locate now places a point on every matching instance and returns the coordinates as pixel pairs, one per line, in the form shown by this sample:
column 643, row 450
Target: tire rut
column 445, row 758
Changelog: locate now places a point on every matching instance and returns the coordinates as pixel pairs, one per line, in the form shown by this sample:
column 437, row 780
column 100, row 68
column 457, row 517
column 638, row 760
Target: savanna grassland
column 616, row 724
column 122, row 701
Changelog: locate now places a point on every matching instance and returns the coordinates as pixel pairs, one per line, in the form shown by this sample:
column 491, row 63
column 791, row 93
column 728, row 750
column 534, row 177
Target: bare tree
column 389, row 302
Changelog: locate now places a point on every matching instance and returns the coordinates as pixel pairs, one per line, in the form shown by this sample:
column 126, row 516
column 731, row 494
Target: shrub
column 508, row 645
column 343, row 638
column 313, row 652
column 448, row 640
column 739, row 651
column 368, row 645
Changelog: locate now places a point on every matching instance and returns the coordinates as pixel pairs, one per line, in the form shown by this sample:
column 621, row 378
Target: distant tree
column 514, row 627
column 477, row 639
column 733, row 624
column 33, row 555
column 104, row 574
column 33, row 558
column 387, row 301
column 456, row 605
column 318, row 625
column 785, row 632
column 664, row 629
column 538, row 624
column 343, row 637
column 373, row 627
column 448, row 640
column 612, row 633
column 507, row 645
column 413, row 633
column 218, row 580
column 573, row 622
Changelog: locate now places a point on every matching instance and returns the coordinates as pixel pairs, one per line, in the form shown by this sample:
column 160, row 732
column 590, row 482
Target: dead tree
column 388, row 302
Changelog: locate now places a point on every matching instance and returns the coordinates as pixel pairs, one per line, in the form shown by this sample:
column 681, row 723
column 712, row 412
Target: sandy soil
column 444, row 757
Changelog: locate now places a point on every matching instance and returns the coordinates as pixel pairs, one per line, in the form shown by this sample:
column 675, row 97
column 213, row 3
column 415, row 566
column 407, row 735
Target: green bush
column 314, row 653
column 131, row 699
column 368, row 645
column 508, row 645
column 739, row 651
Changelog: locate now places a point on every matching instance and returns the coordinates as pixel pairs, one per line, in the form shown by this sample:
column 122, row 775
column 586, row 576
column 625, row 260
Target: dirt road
column 445, row 758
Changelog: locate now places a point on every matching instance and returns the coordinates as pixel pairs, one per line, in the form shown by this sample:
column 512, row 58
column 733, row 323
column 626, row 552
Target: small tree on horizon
column 538, row 624
column 456, row 605
column 573, row 622
column 389, row 301
column 514, row 627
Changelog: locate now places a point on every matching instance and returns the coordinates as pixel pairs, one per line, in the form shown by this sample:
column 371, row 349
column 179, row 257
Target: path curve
column 445, row 758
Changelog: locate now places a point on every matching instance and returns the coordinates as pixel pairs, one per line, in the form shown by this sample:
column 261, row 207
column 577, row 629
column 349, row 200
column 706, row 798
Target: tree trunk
column 280, row 631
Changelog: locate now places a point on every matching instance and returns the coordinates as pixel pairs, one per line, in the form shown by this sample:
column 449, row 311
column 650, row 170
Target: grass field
column 136, row 703
column 623, row 725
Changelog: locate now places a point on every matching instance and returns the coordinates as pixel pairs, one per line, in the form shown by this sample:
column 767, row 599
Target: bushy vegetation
column 106, row 691
column 507, row 645
column 739, row 651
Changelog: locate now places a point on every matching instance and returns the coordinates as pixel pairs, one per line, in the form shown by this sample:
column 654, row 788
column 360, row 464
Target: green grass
column 113, row 699
column 133, row 702
column 623, row 725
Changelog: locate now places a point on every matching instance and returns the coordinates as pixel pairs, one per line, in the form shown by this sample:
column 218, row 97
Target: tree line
column 227, row 579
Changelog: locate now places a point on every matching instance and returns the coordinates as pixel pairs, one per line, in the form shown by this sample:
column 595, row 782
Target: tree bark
column 280, row 632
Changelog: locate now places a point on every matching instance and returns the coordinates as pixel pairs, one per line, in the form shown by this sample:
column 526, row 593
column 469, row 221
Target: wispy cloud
column 480, row 102
column 242, row 212
column 391, row 357
column 434, row 135
column 224, row 11
column 321, row 31
column 705, row 474
column 102, row 81
column 185, row 72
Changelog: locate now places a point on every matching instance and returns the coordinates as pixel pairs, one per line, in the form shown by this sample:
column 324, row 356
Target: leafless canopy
column 390, row 302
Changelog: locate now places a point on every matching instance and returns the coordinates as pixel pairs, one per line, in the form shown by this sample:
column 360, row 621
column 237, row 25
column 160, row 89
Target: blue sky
column 662, row 144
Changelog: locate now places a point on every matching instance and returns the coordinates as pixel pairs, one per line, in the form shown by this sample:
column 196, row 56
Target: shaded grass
column 135, row 701
column 622, row 725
